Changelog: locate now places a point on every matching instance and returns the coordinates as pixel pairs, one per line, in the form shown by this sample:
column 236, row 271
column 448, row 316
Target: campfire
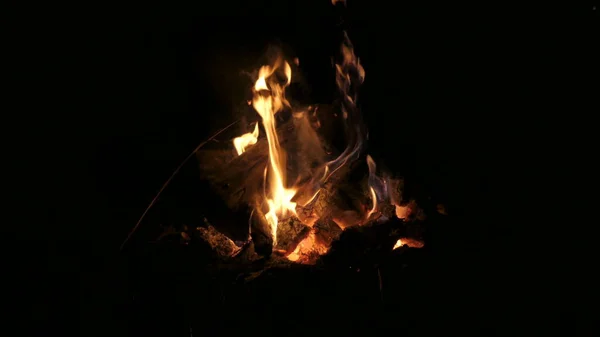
column 302, row 192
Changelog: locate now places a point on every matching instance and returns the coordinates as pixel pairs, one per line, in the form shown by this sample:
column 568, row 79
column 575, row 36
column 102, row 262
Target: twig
column 169, row 181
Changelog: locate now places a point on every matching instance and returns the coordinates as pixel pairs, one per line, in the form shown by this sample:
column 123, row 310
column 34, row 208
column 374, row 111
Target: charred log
column 326, row 232
column 362, row 246
column 290, row 232
column 223, row 246
column 260, row 232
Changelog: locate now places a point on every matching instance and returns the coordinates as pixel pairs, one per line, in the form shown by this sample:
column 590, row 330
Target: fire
column 412, row 243
column 349, row 76
column 372, row 167
column 244, row 141
column 283, row 200
column 378, row 188
column 268, row 100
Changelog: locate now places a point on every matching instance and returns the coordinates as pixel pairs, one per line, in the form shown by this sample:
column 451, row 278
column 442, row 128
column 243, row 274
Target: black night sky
column 459, row 100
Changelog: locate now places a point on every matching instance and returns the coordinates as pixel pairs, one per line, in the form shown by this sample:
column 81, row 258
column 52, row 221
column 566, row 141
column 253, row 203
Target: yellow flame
column 267, row 101
column 374, row 198
column 410, row 242
column 372, row 168
column 244, row 141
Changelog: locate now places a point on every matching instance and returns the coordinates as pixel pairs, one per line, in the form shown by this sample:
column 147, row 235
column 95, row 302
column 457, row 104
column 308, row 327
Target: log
column 290, row 232
column 326, row 232
column 220, row 244
column 361, row 246
column 260, row 232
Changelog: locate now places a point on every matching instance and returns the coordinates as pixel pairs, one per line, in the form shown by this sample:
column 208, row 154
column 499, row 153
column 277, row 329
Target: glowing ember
column 402, row 212
column 306, row 247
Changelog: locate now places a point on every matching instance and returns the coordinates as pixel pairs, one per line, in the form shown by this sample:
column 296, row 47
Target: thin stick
column 169, row 181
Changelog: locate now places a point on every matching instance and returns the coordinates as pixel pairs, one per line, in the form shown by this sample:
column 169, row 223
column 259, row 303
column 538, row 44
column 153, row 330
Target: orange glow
column 306, row 247
column 402, row 212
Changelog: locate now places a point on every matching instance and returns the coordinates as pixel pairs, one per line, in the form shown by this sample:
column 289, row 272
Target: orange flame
column 372, row 168
column 244, row 141
column 267, row 101
column 412, row 243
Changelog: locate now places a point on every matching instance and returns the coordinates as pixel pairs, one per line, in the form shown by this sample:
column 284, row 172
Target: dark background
column 465, row 102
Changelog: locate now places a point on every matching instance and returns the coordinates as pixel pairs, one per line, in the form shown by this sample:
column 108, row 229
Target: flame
column 306, row 197
column 244, row 141
column 374, row 198
column 349, row 76
column 269, row 98
column 377, row 187
column 412, row 243
column 372, row 168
